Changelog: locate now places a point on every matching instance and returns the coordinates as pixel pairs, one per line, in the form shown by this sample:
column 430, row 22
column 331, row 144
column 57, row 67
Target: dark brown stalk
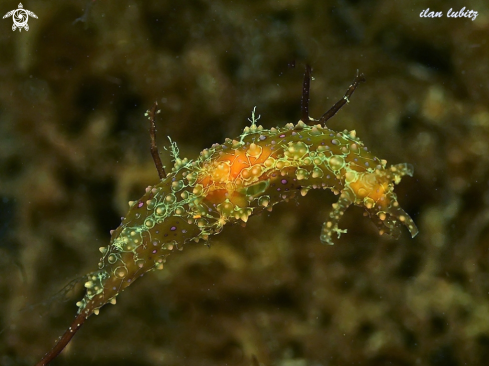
column 154, row 148
column 64, row 340
column 306, row 86
column 346, row 99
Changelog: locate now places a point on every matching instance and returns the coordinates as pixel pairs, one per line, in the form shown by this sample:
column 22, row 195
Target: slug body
column 232, row 181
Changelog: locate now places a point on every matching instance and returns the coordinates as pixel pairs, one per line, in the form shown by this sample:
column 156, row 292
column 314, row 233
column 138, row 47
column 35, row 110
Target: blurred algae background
column 74, row 148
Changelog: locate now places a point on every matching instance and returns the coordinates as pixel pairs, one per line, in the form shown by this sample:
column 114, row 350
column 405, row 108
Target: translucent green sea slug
column 232, row 181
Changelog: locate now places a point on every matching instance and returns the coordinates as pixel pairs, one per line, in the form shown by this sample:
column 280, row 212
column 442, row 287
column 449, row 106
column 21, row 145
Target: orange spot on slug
column 229, row 173
column 368, row 186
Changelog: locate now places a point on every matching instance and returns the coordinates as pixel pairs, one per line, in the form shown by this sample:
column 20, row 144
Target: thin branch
column 64, row 340
column 346, row 99
column 154, row 148
column 306, row 86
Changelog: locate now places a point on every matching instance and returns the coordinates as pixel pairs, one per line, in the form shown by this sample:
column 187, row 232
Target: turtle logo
column 20, row 17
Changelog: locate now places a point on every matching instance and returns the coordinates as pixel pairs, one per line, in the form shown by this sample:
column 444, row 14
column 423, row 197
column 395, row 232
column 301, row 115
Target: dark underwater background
column 74, row 148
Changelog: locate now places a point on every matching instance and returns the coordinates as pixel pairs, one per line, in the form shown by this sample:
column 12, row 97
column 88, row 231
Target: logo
column 20, row 17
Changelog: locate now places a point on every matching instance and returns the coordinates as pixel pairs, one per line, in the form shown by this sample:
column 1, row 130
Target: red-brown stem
column 154, row 148
column 306, row 86
column 332, row 111
column 64, row 340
